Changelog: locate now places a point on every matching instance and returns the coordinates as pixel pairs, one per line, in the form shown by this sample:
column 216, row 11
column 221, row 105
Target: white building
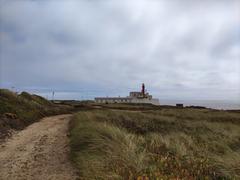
column 134, row 97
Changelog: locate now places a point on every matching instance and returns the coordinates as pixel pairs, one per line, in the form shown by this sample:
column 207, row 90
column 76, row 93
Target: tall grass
column 26, row 109
column 186, row 143
column 103, row 151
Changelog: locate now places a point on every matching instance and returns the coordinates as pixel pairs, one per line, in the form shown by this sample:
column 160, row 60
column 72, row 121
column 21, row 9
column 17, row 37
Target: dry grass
column 164, row 143
column 26, row 109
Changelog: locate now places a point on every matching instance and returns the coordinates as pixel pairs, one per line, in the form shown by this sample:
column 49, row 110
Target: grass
column 165, row 143
column 26, row 109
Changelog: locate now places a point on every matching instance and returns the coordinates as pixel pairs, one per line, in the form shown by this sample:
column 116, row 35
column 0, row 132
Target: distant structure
column 134, row 97
column 179, row 105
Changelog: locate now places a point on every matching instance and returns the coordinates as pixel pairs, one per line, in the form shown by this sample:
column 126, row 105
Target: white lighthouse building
column 134, row 97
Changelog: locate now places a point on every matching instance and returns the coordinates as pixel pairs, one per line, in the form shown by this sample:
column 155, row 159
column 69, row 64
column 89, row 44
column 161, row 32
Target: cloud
column 179, row 49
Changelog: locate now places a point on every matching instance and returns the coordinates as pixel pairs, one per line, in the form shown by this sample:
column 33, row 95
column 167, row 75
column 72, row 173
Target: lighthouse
column 143, row 89
column 134, row 97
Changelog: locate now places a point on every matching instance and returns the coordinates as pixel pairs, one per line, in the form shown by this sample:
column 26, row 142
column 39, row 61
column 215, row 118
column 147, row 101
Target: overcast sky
column 181, row 49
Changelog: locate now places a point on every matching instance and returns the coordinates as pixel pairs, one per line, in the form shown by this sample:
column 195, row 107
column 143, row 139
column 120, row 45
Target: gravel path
column 40, row 151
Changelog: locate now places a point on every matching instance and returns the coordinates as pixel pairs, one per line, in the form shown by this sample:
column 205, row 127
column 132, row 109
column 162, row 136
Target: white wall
column 152, row 101
column 134, row 100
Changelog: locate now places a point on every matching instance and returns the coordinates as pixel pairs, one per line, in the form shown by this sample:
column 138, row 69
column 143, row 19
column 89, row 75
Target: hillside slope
column 19, row 110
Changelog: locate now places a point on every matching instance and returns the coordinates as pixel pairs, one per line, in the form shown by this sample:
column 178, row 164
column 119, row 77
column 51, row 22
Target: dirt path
column 38, row 152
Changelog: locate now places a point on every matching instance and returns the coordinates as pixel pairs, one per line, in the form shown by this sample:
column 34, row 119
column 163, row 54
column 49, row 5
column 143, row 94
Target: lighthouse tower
column 143, row 90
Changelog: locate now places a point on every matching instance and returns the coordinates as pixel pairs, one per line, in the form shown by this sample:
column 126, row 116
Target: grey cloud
column 178, row 48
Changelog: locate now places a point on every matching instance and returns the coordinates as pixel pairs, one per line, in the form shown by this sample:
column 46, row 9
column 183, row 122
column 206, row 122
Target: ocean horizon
column 214, row 104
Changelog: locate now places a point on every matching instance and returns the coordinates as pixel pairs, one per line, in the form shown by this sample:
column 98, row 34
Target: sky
column 180, row 49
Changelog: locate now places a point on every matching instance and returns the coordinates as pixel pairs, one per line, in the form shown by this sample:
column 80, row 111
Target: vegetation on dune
column 164, row 143
column 20, row 110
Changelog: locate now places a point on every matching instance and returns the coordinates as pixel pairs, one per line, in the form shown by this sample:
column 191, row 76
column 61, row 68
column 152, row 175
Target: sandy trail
column 40, row 151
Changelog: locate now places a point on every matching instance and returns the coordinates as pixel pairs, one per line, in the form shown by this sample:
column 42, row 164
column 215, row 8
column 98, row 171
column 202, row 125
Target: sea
column 214, row 104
